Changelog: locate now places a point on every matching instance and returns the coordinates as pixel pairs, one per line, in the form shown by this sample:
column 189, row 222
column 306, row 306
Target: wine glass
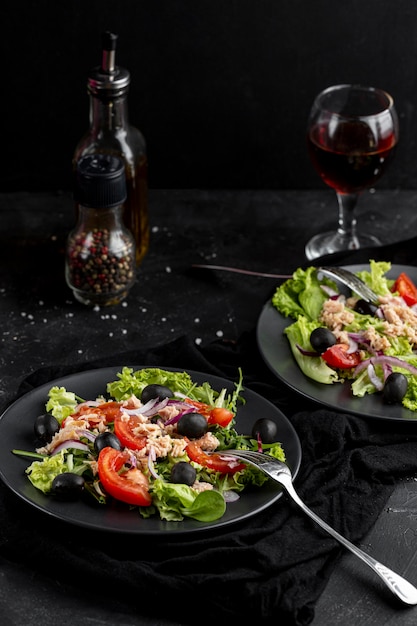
column 352, row 134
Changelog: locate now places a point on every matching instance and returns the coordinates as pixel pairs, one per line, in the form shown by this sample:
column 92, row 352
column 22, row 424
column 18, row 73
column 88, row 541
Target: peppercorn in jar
column 100, row 254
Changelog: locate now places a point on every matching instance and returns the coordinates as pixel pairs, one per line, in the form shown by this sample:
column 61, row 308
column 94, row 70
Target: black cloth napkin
column 271, row 568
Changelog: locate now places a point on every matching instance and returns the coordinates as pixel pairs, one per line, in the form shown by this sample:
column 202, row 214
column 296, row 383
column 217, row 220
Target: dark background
column 221, row 89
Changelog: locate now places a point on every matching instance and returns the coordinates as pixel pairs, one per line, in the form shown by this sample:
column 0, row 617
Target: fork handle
column 404, row 590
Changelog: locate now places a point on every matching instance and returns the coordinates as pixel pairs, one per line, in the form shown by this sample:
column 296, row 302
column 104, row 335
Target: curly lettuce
column 301, row 295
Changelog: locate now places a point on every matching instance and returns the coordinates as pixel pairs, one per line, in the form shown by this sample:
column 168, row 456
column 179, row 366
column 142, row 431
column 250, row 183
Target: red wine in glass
column 351, row 139
column 350, row 160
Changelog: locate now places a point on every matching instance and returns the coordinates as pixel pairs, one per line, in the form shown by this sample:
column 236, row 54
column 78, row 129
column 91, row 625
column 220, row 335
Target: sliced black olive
column 321, row 339
column 365, row 308
column 395, row 388
column 68, row 486
column 184, row 473
column 192, row 425
column 106, row 440
column 266, row 429
column 45, row 427
column 155, row 391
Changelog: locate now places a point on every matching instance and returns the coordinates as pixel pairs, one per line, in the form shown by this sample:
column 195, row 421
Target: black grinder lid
column 100, row 181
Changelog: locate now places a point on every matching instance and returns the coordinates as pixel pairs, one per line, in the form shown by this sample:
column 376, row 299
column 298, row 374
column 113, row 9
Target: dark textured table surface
column 42, row 325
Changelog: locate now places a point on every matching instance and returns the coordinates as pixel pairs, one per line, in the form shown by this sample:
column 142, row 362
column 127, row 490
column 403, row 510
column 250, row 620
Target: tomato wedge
column 338, row 357
column 213, row 461
column 214, row 415
column 125, row 431
column 130, row 486
column 405, row 287
column 220, row 416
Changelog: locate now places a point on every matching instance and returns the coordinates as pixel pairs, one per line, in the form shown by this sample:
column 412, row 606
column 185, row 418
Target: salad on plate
column 338, row 338
column 153, row 442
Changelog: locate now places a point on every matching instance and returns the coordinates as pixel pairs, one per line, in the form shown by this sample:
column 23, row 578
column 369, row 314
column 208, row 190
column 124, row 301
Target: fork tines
column 350, row 280
column 249, row 455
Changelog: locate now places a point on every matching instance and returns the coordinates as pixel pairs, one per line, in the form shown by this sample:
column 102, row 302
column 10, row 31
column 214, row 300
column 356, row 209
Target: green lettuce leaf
column 375, row 278
column 133, row 382
column 301, row 295
column 42, row 473
column 175, row 501
column 61, row 402
column 315, row 368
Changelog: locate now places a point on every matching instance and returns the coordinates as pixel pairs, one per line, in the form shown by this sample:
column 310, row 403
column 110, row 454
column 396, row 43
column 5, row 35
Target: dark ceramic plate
column 16, row 432
column 276, row 352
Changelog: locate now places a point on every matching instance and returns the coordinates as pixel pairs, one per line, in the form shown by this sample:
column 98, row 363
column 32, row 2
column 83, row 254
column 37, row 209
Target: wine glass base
column 328, row 243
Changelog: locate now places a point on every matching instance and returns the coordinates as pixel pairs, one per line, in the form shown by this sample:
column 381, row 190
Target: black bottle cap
column 100, row 181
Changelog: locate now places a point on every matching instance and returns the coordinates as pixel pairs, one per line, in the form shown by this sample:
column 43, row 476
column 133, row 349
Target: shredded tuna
column 201, row 486
column 399, row 321
column 335, row 315
column 208, row 442
column 64, row 434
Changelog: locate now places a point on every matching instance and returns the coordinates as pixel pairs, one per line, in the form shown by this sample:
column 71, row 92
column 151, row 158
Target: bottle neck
column 108, row 113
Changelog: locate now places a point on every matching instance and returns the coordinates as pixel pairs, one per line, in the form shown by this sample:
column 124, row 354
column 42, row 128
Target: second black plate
column 276, row 352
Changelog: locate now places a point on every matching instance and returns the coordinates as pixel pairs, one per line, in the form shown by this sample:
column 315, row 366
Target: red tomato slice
column 124, row 430
column 131, row 486
column 214, row 415
column 406, row 289
column 213, row 461
column 337, row 356
column 107, row 412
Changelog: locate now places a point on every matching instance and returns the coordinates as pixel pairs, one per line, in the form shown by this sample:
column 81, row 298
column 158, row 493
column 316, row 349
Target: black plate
column 16, row 432
column 276, row 352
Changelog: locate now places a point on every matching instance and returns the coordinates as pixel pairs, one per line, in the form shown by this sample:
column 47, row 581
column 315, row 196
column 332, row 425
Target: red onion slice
column 385, row 360
column 149, row 409
column 86, row 433
column 70, row 443
column 332, row 293
column 230, row 496
column 377, row 382
column 175, row 418
column 151, row 463
column 306, row 352
column 353, row 345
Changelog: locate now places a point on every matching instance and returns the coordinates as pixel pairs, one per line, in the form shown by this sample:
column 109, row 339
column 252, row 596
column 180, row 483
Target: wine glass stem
column 347, row 220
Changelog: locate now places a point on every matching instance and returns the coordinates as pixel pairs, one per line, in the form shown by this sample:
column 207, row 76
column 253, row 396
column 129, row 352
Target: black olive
column 184, row 473
column 365, row 308
column 45, row 427
column 266, row 429
column 395, row 388
column 321, row 339
column 192, row 425
column 106, row 440
column 68, row 486
column 155, row 391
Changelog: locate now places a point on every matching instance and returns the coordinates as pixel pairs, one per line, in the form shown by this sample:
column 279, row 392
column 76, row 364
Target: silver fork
column 281, row 473
column 350, row 280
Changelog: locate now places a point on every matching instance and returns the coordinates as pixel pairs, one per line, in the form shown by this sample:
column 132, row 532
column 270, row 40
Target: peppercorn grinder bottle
column 110, row 133
column 100, row 252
